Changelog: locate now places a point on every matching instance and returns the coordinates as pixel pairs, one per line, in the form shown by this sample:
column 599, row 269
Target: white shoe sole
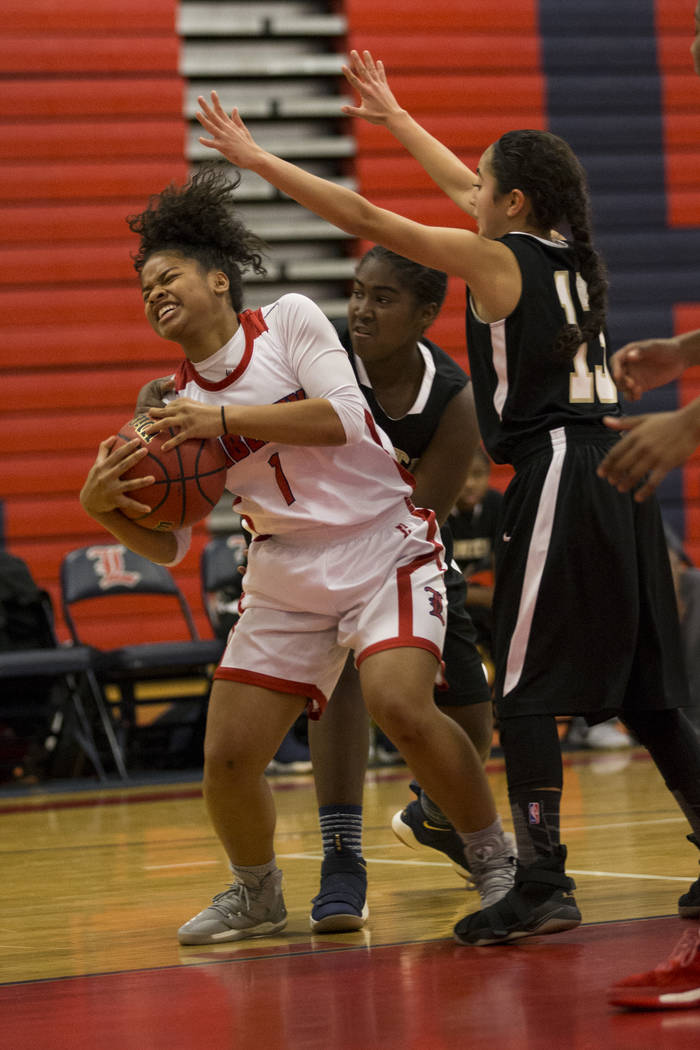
column 265, row 929
column 404, row 833
column 347, row 922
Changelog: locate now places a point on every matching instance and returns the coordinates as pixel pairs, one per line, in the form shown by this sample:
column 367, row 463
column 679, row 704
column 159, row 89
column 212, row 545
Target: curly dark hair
column 425, row 284
column 549, row 173
column 199, row 221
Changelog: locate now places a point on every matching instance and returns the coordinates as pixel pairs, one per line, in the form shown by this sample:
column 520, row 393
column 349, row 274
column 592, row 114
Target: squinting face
column 384, row 318
column 178, row 296
column 695, row 46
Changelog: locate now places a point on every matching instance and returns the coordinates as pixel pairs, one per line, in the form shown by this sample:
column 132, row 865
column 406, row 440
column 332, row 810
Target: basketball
column 189, row 478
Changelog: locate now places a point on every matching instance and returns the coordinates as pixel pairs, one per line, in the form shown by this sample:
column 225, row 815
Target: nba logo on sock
column 533, row 812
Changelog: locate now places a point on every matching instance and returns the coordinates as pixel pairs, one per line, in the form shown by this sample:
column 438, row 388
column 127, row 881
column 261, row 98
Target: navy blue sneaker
column 340, row 905
column 414, row 829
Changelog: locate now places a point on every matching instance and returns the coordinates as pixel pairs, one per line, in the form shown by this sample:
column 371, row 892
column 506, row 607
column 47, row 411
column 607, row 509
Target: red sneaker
column 673, row 985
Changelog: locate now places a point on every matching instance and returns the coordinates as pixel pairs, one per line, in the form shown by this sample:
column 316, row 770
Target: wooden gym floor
column 96, row 882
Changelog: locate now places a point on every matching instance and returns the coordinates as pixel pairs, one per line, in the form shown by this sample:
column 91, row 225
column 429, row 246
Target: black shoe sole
column 549, row 924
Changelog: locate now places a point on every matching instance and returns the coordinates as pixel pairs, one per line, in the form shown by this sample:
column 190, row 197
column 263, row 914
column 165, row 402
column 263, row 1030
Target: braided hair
column 548, row 172
column 425, row 284
column 199, row 221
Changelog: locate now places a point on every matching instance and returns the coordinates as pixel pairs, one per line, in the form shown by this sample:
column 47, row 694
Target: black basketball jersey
column 520, row 388
column 411, row 434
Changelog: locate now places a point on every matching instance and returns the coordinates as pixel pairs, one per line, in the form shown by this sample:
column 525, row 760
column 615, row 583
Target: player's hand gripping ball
column 189, row 481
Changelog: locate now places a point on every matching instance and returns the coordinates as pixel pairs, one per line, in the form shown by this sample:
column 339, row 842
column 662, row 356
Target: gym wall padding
column 91, row 114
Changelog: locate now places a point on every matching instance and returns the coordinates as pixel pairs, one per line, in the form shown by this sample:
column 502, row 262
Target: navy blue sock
column 341, row 827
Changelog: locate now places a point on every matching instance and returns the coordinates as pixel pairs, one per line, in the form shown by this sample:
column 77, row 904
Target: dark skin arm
column 444, row 465
column 652, row 445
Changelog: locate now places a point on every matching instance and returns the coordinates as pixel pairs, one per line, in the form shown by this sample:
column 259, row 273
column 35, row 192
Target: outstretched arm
column 651, row 446
column 489, row 267
column 378, row 105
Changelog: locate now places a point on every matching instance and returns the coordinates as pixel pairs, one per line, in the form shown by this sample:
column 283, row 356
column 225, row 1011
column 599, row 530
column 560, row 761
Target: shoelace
column 683, row 954
column 233, row 900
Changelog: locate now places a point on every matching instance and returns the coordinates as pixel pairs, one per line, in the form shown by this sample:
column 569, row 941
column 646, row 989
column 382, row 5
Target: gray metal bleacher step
column 269, row 100
column 261, row 18
column 281, row 58
column 280, row 63
column 293, row 140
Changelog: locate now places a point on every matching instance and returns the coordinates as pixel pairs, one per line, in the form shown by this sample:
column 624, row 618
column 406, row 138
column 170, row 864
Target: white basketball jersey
column 289, row 351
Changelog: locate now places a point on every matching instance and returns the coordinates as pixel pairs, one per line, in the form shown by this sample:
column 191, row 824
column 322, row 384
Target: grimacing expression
column 178, row 294
column 383, row 316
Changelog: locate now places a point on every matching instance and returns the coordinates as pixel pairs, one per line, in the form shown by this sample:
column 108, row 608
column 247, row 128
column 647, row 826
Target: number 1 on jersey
column 282, row 483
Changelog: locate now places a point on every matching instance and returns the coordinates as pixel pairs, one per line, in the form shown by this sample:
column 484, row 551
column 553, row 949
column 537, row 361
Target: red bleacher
column 421, row 20
column 59, row 18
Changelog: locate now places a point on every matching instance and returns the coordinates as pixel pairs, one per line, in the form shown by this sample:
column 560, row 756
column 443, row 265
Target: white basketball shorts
column 306, row 603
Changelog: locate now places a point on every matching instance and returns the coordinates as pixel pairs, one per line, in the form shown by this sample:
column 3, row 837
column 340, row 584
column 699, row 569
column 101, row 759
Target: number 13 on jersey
column 584, row 385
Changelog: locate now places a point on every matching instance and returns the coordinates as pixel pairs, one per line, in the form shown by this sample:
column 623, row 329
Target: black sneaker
column 414, row 829
column 540, row 902
column 689, row 903
column 340, row 905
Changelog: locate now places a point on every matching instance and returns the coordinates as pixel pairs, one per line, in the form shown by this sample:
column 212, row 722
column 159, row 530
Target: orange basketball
column 189, row 481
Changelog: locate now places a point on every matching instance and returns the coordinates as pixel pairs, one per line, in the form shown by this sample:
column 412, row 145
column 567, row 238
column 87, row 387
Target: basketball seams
column 189, row 480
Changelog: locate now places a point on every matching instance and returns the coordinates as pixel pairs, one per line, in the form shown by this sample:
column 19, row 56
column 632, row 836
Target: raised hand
column 229, row 135
column 642, row 365
column 368, row 78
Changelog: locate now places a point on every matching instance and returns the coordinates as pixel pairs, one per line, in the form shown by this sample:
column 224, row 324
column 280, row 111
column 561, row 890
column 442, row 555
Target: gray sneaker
column 240, row 911
column 492, row 868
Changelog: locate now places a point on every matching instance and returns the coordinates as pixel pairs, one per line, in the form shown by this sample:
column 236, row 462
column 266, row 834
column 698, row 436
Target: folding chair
column 96, row 581
column 221, row 580
column 72, row 668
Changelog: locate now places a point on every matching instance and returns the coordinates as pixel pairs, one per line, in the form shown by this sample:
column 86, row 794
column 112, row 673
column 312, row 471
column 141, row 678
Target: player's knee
column 224, row 760
column 400, row 718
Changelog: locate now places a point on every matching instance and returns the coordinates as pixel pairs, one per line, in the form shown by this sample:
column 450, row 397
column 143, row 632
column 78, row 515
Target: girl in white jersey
column 341, row 559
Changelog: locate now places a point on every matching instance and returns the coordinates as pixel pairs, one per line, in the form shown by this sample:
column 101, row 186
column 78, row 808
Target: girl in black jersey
column 585, row 620
column 423, row 400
